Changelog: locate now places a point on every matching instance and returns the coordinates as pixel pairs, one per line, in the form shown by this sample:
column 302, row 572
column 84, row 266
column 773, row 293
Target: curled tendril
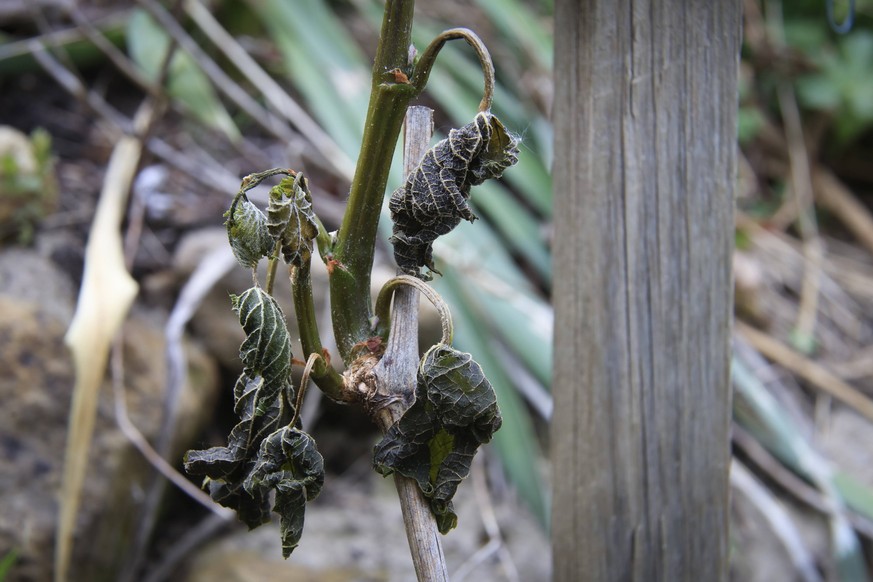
column 383, row 303
column 428, row 57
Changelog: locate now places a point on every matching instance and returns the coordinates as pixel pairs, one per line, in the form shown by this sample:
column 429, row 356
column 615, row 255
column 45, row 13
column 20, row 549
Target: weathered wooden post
column 645, row 111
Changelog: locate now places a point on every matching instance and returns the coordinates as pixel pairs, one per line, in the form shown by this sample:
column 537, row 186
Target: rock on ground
column 36, row 304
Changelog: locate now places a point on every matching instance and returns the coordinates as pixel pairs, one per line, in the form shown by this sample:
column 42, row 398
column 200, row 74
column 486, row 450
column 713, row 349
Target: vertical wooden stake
column 645, row 167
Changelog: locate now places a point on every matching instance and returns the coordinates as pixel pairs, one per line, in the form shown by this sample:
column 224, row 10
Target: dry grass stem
column 810, row 371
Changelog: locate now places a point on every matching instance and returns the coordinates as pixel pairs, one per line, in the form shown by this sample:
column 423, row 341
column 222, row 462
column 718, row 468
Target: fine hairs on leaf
column 455, row 411
column 247, row 232
column 433, row 200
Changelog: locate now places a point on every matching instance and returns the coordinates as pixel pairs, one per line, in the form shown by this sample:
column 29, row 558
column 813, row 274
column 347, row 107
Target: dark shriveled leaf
column 259, row 409
column 434, row 442
column 289, row 463
column 226, row 468
column 291, row 220
column 433, row 200
column 259, row 401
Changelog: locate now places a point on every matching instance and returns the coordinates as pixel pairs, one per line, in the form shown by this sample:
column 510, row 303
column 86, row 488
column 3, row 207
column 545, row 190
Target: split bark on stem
column 396, row 377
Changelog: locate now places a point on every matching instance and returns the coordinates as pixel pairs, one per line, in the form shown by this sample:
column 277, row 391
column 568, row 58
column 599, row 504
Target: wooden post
column 645, row 134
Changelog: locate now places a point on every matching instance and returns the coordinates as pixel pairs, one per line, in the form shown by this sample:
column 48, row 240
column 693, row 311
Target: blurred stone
column 36, row 387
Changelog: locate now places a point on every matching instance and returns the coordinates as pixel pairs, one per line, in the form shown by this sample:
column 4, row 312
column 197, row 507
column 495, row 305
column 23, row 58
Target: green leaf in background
column 758, row 411
column 516, row 20
column 434, row 442
column 843, row 85
column 288, row 462
column 247, row 233
column 332, row 76
column 147, row 44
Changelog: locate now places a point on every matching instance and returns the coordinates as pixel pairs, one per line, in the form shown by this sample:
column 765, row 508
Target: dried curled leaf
column 434, row 442
column 262, row 397
column 433, row 200
column 259, row 409
column 289, row 463
column 291, row 220
column 247, row 232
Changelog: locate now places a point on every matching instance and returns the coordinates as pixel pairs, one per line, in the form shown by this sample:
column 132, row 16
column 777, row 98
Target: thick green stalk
column 351, row 307
column 323, row 374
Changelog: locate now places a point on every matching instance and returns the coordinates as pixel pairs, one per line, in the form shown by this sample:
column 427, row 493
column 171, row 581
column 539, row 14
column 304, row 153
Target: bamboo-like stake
column 395, row 379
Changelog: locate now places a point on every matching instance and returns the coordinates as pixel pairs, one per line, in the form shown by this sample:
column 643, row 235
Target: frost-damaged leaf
column 289, row 463
column 260, row 402
column 291, row 220
column 434, row 442
column 259, row 409
column 433, row 200
column 247, row 233
column 266, row 350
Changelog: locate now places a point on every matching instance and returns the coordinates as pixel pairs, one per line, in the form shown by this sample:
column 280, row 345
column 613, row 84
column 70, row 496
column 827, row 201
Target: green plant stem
column 272, row 265
column 323, row 239
column 323, row 374
column 350, row 284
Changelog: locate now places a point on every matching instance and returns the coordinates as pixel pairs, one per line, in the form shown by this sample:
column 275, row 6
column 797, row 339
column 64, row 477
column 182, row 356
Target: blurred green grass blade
column 517, row 226
column 857, row 495
column 759, row 412
column 147, row 44
column 516, row 21
column 528, row 336
column 497, row 292
column 332, row 76
column 516, row 441
column 476, row 248
column 6, row 563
